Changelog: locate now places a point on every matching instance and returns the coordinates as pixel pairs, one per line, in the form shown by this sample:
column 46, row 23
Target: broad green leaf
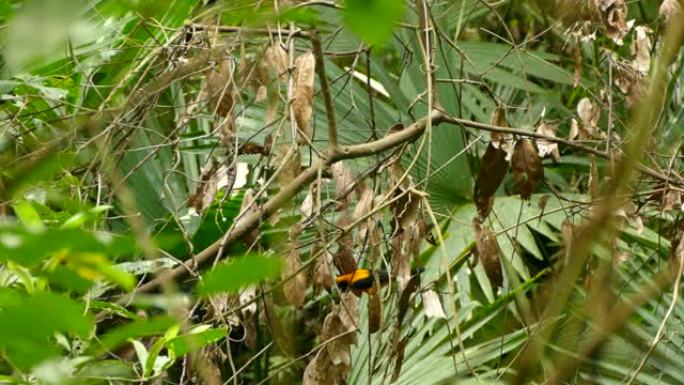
column 27, row 325
column 238, row 273
column 373, row 20
column 28, row 215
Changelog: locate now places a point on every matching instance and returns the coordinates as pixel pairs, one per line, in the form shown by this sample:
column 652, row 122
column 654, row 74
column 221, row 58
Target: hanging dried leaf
column 398, row 354
column 589, row 114
column 487, row 253
column 343, row 179
column 307, row 207
column 499, row 140
column 218, row 85
column 527, row 168
column 432, row 305
column 669, row 9
column 344, row 257
column 492, row 173
column 348, row 311
column 337, row 348
column 318, row 370
column 302, row 99
column 546, row 147
column 276, row 58
column 404, row 299
column 614, row 15
column 363, row 207
column 322, row 277
column 291, row 166
column 641, row 49
column 374, row 311
column 401, row 260
column 206, row 189
column 294, row 287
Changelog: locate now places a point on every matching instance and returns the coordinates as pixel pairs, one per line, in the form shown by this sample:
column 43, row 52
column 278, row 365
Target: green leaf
column 136, row 329
column 183, row 345
column 28, row 215
column 237, row 273
column 373, row 20
column 26, row 326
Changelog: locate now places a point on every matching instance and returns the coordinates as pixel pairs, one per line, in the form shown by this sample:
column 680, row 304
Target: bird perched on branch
column 364, row 279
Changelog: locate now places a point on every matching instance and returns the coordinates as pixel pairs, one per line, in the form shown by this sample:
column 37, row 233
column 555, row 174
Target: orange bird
column 364, row 279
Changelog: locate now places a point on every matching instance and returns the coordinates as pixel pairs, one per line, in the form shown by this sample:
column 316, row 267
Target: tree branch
column 325, row 89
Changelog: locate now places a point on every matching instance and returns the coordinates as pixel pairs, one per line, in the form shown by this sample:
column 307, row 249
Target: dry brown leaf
column 673, row 200
column 669, row 9
column 307, row 207
column 594, row 179
column 432, row 305
column 374, row 311
column 317, row 371
column 343, row 179
column 348, row 311
column 641, row 49
column 499, row 140
column 294, row 286
column 614, row 16
column 291, row 166
column 546, row 147
column 206, row 189
column 337, row 348
column 487, row 252
column 527, row 167
column 398, row 355
column 276, row 59
column 344, row 257
column 401, row 260
column 492, row 173
column 218, row 85
column 302, row 100
column 322, row 277
column 589, row 114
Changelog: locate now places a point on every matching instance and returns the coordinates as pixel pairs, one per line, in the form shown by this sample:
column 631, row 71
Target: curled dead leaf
column 318, row 371
column 568, row 234
column 527, row 167
column 546, row 147
column 589, row 114
column 614, row 16
column 302, row 98
column 641, row 49
column 493, row 170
